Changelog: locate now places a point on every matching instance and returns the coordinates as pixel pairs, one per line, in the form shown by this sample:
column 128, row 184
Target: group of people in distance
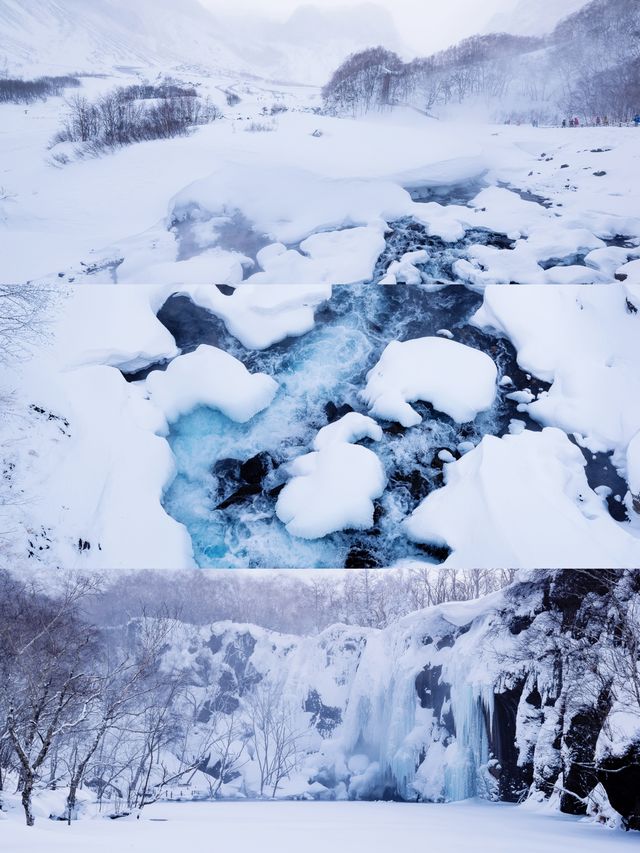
column 599, row 122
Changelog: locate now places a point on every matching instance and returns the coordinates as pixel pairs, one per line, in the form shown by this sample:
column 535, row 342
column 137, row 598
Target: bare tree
column 274, row 740
column 48, row 688
column 23, row 317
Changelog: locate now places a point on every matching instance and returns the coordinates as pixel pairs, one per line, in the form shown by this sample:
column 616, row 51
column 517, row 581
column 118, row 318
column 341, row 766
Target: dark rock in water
column 239, row 496
column 191, row 325
column 273, row 493
column 394, row 429
column 446, row 642
column 226, row 289
column 414, row 481
column 361, row 558
column 437, row 463
column 227, row 469
column 620, row 777
column 334, row 413
column 254, row 470
column 437, row 552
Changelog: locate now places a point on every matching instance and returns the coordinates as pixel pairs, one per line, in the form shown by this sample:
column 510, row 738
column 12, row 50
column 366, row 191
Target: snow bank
column 111, row 325
column 455, row 379
column 290, row 204
column 586, row 342
column 522, row 500
column 210, row 377
column 334, row 487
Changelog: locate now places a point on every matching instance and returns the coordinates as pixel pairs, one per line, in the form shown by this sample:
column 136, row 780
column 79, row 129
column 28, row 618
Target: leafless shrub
column 259, row 127
column 118, row 119
column 17, row 91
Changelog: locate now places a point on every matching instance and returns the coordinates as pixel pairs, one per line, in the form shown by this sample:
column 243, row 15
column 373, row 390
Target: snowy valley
column 280, row 182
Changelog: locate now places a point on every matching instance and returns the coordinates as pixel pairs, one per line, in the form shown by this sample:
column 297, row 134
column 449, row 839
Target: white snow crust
column 454, row 378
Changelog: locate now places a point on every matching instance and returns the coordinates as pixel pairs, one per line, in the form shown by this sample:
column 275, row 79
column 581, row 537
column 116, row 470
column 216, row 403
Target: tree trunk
column 26, row 801
column 71, row 800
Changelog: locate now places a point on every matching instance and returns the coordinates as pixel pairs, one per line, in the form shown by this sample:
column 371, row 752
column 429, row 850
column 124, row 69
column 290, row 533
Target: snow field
column 314, row 827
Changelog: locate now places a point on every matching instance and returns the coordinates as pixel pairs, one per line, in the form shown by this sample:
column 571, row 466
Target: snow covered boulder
column 351, row 428
column 260, row 315
column 213, row 378
column 456, row 379
column 522, row 500
column 334, row 487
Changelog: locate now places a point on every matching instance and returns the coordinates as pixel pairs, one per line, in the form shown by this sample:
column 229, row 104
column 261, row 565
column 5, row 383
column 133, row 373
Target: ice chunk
column 456, row 379
column 210, row 377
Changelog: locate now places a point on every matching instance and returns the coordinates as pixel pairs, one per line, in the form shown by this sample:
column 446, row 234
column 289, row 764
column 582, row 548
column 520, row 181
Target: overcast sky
column 423, row 24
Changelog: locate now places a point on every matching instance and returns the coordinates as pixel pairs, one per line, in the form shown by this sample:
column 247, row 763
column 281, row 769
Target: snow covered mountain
column 47, row 36
column 527, row 18
column 95, row 35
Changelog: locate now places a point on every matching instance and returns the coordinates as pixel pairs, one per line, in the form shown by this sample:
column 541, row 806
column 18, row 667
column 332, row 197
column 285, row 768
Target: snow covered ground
column 317, row 827
column 111, row 459
column 308, row 198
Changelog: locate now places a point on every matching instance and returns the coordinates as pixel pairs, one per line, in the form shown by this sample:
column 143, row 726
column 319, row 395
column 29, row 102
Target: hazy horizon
column 424, row 25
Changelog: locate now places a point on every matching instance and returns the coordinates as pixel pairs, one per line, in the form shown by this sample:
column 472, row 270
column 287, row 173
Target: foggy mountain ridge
column 97, row 35
column 526, row 19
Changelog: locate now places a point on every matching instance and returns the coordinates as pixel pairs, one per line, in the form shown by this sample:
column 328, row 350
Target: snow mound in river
column 210, row 377
column 260, row 316
column 334, row 487
column 456, row 379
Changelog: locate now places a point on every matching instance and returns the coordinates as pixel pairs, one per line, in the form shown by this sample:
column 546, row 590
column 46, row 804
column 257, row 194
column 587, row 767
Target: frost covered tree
column 274, row 742
column 48, row 686
column 24, row 312
column 366, row 80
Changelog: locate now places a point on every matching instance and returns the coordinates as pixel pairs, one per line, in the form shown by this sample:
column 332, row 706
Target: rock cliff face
column 529, row 693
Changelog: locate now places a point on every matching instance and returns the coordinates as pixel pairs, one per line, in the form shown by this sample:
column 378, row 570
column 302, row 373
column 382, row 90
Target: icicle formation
column 467, row 757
